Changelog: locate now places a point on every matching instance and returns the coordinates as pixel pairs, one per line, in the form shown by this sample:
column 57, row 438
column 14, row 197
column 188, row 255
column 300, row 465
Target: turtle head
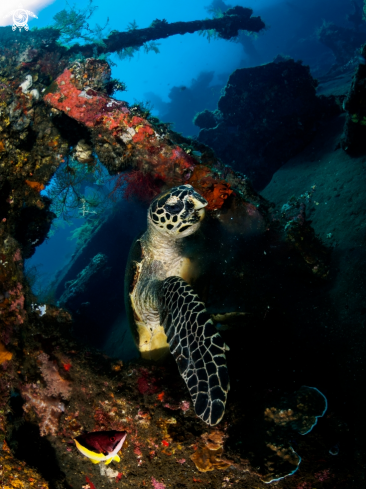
column 178, row 212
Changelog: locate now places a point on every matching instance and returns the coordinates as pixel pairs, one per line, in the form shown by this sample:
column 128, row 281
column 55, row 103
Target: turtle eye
column 174, row 208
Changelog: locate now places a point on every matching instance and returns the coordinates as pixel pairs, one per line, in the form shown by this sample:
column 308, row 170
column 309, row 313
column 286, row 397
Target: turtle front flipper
column 196, row 346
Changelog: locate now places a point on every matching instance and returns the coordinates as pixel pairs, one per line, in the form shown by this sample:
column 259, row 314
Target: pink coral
column 322, row 475
column 17, row 303
column 56, row 385
column 184, row 405
column 304, row 485
column 156, row 484
column 47, row 408
column 17, row 256
column 46, row 402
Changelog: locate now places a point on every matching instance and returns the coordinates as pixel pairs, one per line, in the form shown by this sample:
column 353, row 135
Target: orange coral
column 214, row 191
column 206, row 460
column 2, row 147
column 35, row 185
column 142, row 132
column 208, row 457
column 5, row 355
column 15, row 474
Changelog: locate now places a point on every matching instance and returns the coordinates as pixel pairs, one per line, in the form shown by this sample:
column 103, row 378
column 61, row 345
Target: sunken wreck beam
column 227, row 27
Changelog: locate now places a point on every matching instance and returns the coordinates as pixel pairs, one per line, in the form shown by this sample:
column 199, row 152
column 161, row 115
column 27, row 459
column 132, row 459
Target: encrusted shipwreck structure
column 266, row 115
column 50, row 103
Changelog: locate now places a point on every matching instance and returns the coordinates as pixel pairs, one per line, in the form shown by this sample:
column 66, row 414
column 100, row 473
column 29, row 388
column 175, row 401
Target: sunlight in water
column 34, row 6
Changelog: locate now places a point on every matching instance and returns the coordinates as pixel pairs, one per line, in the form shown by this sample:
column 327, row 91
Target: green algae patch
column 53, row 88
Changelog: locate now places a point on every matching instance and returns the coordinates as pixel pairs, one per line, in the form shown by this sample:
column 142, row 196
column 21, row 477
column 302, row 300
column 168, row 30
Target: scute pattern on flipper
column 197, row 348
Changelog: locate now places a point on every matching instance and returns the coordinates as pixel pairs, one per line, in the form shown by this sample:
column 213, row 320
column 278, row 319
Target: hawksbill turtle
column 164, row 311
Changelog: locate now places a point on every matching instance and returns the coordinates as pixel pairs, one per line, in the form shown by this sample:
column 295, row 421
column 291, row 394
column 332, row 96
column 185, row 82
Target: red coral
column 135, row 184
column 51, row 64
column 68, row 99
column 141, row 133
column 146, row 383
column 88, row 481
column 102, row 420
column 213, row 190
column 135, row 121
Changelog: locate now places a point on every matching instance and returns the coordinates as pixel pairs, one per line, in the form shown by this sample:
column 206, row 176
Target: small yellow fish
column 101, row 446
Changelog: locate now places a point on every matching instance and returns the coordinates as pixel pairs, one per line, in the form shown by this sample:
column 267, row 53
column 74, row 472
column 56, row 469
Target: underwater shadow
column 28, row 445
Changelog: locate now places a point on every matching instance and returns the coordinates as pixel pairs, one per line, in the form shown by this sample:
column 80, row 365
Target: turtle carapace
column 166, row 313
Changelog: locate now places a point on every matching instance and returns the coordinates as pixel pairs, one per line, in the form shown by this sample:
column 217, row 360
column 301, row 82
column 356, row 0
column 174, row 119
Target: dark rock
column 32, row 226
column 356, row 17
column 354, row 137
column 268, row 114
column 205, row 119
column 342, row 41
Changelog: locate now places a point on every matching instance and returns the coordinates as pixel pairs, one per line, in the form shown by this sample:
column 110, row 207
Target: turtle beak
column 199, row 202
column 199, row 206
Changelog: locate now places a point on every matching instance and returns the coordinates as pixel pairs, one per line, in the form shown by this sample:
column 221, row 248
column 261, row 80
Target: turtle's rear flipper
column 196, row 346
